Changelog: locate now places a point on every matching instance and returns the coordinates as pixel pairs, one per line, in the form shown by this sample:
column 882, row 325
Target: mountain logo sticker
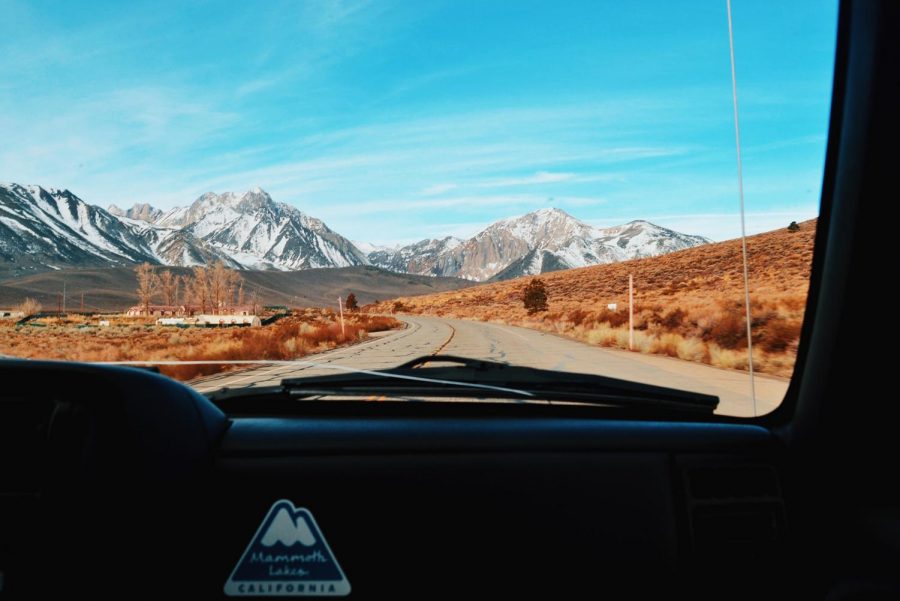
column 287, row 557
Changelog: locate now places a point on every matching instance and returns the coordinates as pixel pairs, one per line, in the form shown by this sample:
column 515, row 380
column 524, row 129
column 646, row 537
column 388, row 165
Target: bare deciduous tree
column 168, row 284
column 235, row 285
column 212, row 289
column 147, row 281
column 28, row 307
column 199, row 288
column 254, row 300
column 222, row 283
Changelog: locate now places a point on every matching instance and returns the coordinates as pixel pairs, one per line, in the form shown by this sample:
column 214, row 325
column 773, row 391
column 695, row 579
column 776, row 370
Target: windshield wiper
column 476, row 379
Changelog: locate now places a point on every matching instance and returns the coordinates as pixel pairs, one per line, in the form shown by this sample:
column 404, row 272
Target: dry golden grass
column 78, row 339
column 688, row 304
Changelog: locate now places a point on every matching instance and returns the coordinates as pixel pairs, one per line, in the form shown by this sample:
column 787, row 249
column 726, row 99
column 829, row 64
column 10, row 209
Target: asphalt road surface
column 519, row 346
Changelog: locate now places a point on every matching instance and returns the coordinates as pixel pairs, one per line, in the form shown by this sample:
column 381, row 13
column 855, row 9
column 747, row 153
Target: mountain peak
column 542, row 212
column 545, row 239
column 254, row 197
column 251, row 230
column 245, row 230
column 539, row 216
column 550, row 211
column 139, row 211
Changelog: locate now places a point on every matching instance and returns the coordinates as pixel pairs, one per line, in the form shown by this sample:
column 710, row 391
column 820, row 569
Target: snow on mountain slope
column 367, row 248
column 142, row 212
column 425, row 257
column 43, row 228
column 255, row 232
column 48, row 228
column 541, row 241
column 263, row 234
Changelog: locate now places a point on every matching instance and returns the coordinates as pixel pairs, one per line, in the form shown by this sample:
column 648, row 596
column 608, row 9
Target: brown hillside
column 688, row 304
column 113, row 289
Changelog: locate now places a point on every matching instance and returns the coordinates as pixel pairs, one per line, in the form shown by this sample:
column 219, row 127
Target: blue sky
column 395, row 121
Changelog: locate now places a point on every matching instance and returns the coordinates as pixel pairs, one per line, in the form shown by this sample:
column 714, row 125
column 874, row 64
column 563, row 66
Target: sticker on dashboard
column 287, row 557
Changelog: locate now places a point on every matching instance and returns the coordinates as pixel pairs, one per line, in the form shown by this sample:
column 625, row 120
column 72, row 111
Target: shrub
column 673, row 319
column 668, row 344
column 779, row 335
column 732, row 359
column 691, row 349
column 643, row 342
column 351, row 304
column 613, row 318
column 729, row 330
column 579, row 316
column 534, row 296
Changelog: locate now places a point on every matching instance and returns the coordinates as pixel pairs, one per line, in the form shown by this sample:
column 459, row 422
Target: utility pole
column 630, row 312
column 341, row 309
column 64, row 298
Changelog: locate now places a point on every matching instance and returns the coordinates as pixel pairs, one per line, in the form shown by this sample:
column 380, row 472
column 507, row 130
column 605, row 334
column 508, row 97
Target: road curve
column 520, row 346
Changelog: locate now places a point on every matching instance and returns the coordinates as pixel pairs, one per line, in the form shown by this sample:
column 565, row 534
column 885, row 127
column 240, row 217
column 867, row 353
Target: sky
column 397, row 121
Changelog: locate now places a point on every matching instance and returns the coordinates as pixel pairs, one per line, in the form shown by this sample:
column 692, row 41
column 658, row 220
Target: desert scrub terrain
column 302, row 333
column 688, row 304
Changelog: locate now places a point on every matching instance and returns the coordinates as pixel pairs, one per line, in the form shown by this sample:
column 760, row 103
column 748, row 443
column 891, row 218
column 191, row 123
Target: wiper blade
column 474, row 378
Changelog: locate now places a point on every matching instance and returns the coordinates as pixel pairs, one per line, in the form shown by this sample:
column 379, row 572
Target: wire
column 740, row 174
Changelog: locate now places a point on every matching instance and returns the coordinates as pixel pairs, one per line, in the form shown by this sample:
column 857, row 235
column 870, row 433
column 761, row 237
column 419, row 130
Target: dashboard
column 117, row 481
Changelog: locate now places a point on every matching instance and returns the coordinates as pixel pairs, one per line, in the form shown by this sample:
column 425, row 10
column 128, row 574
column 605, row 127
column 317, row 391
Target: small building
column 171, row 321
column 228, row 320
column 185, row 310
column 211, row 320
column 239, row 309
column 156, row 310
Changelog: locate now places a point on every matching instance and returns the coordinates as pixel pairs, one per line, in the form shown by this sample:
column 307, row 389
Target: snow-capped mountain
column 367, row 248
column 541, row 241
column 259, row 233
column 140, row 211
column 427, row 257
column 174, row 246
column 46, row 228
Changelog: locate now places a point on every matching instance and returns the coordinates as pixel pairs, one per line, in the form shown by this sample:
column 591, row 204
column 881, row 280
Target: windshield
column 242, row 194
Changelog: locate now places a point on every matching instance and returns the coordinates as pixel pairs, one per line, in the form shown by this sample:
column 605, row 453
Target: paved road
column 520, row 346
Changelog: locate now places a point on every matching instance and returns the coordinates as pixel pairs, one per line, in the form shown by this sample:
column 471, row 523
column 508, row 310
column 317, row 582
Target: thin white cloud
column 436, row 189
column 483, row 202
column 541, row 177
column 255, row 85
